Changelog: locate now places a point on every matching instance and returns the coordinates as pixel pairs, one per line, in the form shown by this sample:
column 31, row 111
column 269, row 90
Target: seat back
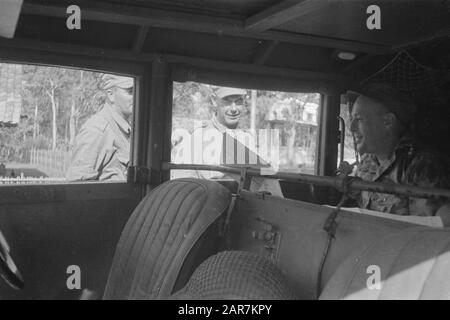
column 411, row 264
column 159, row 236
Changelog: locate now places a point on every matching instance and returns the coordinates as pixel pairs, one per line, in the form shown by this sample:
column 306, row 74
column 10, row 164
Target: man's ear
column 389, row 120
column 110, row 95
column 214, row 104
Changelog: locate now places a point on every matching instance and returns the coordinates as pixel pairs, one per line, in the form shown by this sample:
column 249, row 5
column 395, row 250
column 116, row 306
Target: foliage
column 349, row 147
column 193, row 100
column 55, row 103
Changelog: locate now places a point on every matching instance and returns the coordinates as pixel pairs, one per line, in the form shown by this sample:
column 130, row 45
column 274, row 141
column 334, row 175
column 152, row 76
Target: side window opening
column 350, row 155
column 60, row 125
column 294, row 116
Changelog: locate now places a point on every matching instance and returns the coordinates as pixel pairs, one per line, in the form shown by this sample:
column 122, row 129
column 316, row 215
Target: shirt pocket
column 123, row 160
column 391, row 203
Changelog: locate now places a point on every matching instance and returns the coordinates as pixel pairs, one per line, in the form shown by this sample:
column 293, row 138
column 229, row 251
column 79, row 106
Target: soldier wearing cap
column 228, row 106
column 381, row 122
column 102, row 147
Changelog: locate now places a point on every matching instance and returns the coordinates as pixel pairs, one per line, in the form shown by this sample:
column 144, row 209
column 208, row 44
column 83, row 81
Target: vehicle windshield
column 279, row 128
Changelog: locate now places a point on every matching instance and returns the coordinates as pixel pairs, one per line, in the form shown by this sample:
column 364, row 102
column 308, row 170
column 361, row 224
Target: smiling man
column 228, row 107
column 102, row 147
column 381, row 121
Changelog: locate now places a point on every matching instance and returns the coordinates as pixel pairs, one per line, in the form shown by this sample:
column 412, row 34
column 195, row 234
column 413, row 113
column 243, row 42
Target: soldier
column 228, row 107
column 102, row 147
column 381, row 120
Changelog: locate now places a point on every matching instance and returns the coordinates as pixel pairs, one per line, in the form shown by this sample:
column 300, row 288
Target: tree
column 55, row 102
column 46, row 86
column 192, row 100
column 61, row 98
column 349, row 146
column 87, row 99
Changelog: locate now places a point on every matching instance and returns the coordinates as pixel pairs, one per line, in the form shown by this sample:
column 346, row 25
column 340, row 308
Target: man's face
column 123, row 100
column 368, row 126
column 229, row 110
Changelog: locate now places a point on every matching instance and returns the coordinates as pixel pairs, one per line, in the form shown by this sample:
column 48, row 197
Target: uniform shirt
column 223, row 157
column 102, row 148
column 407, row 166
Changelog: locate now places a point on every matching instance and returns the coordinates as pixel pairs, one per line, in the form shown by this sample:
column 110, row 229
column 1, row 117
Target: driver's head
column 379, row 117
column 229, row 104
column 119, row 93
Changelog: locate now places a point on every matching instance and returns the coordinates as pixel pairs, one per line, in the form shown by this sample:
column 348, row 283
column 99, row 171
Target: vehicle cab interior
column 159, row 235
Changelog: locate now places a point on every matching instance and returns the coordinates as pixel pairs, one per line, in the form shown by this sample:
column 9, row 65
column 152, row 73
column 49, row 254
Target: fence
column 53, row 162
column 27, row 180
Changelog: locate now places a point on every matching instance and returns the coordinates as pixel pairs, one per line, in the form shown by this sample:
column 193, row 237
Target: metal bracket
column 244, row 181
column 142, row 175
column 271, row 238
column 264, row 194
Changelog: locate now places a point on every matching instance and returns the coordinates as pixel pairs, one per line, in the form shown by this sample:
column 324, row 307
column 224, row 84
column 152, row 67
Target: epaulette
column 249, row 132
column 203, row 124
column 96, row 121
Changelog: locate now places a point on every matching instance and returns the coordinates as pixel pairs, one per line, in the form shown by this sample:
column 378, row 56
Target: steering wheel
column 8, row 269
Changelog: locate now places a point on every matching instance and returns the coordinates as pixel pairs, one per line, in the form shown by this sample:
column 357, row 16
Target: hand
column 88, row 294
column 345, row 168
column 444, row 213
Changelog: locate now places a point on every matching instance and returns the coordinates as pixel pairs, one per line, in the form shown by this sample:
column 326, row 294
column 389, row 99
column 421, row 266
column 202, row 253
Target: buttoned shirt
column 226, row 154
column 408, row 166
column 102, row 148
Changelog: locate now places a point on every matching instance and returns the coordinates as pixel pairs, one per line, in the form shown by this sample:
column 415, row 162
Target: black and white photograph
column 224, row 154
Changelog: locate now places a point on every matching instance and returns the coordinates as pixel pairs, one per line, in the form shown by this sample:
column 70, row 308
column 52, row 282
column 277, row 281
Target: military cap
column 396, row 101
column 228, row 91
column 110, row 80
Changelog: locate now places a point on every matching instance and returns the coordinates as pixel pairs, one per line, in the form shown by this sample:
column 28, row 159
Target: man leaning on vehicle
column 381, row 120
column 102, row 147
column 228, row 106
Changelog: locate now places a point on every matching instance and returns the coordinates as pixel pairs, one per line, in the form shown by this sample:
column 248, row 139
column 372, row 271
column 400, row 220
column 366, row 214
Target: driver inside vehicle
column 381, row 121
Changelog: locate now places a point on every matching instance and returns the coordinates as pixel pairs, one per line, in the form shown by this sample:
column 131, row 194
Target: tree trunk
column 74, row 113
column 253, row 112
column 291, row 144
column 72, row 124
column 51, row 95
column 35, row 124
column 53, row 121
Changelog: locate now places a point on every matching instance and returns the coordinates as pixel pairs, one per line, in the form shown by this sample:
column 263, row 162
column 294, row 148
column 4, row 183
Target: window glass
column 60, row 125
column 350, row 154
column 254, row 117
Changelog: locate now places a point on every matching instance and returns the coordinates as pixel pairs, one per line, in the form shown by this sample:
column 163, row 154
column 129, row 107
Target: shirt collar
column 405, row 146
column 121, row 122
column 218, row 125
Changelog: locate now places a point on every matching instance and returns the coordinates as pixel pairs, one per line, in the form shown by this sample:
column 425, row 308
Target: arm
column 444, row 213
column 89, row 156
column 356, row 170
column 428, row 171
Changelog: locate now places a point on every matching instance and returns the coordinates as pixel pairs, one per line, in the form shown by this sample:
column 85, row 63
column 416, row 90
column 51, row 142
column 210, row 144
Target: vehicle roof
column 302, row 36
